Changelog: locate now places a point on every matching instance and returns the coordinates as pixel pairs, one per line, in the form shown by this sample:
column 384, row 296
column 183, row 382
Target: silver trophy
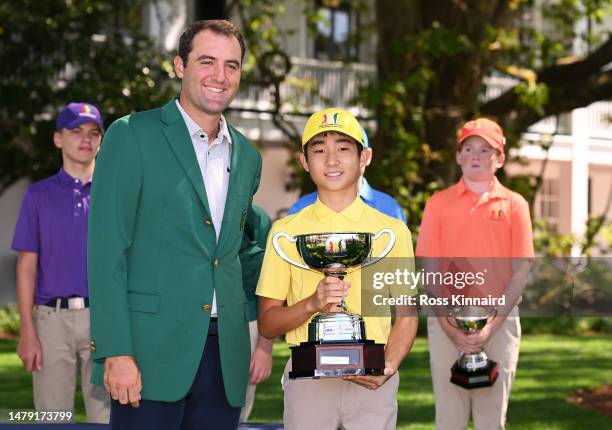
column 472, row 370
column 337, row 343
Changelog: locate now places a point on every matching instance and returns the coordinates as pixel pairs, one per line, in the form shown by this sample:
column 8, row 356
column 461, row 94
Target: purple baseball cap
column 75, row 114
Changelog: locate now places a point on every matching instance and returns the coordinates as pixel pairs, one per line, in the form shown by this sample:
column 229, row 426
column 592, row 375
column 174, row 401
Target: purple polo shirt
column 53, row 224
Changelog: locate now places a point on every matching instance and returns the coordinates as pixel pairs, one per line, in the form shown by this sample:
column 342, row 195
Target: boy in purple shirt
column 51, row 239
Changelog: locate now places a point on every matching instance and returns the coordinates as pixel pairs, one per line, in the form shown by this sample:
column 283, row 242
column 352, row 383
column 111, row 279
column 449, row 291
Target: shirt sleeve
column 404, row 261
column 27, row 233
column 115, row 195
column 429, row 243
column 275, row 276
column 521, row 232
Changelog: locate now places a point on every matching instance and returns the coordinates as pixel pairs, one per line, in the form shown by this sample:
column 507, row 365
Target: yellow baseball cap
column 332, row 120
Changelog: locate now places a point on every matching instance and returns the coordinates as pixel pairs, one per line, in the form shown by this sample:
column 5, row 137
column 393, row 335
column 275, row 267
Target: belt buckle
column 76, row 303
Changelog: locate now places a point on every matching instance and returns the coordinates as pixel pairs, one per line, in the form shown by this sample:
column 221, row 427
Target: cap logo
column 325, row 123
column 86, row 111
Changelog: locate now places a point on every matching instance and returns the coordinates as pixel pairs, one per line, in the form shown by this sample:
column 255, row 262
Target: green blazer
column 153, row 257
column 258, row 225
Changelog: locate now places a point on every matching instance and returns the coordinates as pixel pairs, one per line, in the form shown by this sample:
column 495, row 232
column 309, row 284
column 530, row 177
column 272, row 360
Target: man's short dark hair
column 357, row 145
column 217, row 26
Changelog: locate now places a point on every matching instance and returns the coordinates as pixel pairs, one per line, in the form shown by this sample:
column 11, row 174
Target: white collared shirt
column 214, row 161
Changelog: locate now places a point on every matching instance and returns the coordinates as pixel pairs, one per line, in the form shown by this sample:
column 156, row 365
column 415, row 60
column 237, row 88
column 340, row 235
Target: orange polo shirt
column 457, row 223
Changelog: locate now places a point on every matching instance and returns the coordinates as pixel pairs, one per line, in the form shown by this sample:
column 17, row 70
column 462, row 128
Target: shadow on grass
column 7, row 346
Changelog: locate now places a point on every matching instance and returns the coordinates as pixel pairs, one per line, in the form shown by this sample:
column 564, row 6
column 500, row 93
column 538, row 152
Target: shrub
column 9, row 321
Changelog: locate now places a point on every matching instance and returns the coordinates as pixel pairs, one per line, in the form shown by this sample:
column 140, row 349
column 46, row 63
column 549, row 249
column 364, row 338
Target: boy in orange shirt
column 477, row 217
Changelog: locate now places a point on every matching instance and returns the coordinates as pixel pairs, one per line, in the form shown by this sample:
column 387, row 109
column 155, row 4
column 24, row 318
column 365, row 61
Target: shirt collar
column 353, row 212
column 65, row 179
column 366, row 192
column 195, row 130
column 461, row 189
column 498, row 191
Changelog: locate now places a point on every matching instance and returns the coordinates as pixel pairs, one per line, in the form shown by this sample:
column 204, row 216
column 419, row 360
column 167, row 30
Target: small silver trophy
column 337, row 343
column 472, row 370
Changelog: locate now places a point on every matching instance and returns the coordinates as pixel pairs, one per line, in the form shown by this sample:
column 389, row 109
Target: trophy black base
column 337, row 359
column 469, row 380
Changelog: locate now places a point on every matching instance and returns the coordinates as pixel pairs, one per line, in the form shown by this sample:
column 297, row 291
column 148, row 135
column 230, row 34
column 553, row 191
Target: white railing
column 313, row 85
column 316, row 84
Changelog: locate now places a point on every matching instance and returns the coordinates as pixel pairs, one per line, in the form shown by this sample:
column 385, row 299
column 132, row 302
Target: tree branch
column 560, row 73
column 570, row 86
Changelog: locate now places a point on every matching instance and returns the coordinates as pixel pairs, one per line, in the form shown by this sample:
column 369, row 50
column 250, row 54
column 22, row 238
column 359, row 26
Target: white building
column 576, row 182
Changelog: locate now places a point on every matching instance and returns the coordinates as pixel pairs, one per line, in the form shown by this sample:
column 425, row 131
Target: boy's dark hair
column 357, row 145
column 218, row 26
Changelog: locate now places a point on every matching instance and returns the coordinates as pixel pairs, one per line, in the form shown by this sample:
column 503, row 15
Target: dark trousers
column 204, row 407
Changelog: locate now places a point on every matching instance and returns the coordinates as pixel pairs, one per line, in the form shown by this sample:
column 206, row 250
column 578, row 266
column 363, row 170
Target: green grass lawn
column 550, row 369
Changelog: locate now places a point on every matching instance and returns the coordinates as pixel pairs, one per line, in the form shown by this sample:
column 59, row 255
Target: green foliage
column 262, row 35
column 548, row 242
column 58, row 51
column 532, row 95
column 409, row 169
column 9, row 321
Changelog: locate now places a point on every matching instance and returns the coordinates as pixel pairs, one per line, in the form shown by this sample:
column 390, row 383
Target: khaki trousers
column 332, row 403
column 250, row 393
column 64, row 337
column 487, row 406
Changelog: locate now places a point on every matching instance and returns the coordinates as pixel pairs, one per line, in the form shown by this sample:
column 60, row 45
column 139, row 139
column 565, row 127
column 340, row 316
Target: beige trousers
column 487, row 406
column 64, row 337
column 332, row 403
column 250, row 393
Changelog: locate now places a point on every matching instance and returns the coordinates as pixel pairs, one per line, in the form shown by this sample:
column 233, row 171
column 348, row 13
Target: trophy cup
column 472, row 370
column 337, row 343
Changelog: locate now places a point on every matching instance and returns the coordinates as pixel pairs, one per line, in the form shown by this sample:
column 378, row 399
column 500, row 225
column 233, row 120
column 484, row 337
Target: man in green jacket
column 172, row 190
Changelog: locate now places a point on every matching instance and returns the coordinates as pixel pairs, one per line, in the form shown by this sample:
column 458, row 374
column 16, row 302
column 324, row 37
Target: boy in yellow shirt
column 333, row 154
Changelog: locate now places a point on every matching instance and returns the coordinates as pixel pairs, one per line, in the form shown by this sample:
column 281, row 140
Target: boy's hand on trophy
column 330, row 291
column 477, row 340
column 462, row 342
column 373, row 382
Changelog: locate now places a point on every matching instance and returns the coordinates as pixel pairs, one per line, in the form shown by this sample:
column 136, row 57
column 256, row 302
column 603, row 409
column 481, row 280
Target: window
column 549, row 202
column 335, row 37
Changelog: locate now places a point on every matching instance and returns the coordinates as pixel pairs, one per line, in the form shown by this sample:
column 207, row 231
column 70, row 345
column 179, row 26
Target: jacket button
column 207, row 222
column 206, row 308
column 92, row 346
column 216, row 263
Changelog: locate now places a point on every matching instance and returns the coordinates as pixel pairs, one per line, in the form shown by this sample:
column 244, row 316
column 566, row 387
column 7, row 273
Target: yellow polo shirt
column 283, row 281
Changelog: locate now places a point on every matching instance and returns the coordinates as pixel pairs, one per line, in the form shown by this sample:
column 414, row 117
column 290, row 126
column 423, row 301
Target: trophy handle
column 451, row 321
column 280, row 251
column 385, row 251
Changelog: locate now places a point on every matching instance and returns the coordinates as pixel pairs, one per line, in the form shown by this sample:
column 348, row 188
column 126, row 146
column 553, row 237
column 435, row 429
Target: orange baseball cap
column 485, row 128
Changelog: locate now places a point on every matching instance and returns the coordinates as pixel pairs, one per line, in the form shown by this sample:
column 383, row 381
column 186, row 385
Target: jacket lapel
column 232, row 189
column 178, row 137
